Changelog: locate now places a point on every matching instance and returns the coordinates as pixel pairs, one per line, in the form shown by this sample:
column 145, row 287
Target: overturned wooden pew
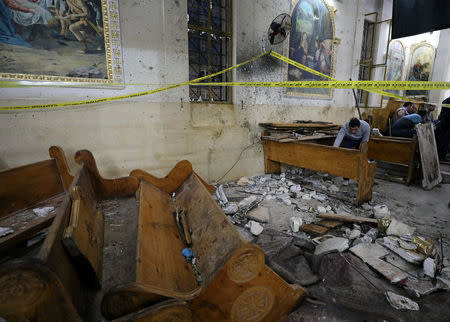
column 225, row 280
column 61, row 280
column 37, row 185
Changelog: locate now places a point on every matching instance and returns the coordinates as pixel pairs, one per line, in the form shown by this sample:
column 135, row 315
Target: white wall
column 154, row 132
column 438, row 39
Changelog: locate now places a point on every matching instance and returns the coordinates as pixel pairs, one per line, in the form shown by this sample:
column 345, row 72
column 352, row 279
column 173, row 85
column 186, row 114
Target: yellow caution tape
column 109, row 99
column 371, row 86
column 312, row 71
column 341, row 84
column 28, row 83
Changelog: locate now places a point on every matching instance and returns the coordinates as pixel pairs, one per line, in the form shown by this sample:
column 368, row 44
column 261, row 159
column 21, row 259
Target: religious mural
column 420, row 66
column 59, row 38
column 311, row 44
column 395, row 64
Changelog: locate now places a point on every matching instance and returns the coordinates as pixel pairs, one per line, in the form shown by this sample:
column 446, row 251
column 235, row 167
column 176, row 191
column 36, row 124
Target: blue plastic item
column 189, row 254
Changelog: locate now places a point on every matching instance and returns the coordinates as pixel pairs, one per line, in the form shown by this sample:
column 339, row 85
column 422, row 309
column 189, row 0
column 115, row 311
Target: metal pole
column 356, row 102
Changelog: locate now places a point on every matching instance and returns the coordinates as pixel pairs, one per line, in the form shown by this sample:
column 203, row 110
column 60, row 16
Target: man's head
column 410, row 107
column 422, row 113
column 354, row 125
column 429, row 107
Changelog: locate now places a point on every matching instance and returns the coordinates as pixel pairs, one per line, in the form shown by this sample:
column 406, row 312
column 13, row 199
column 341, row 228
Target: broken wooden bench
column 403, row 151
column 397, row 150
column 227, row 280
column 37, row 185
column 348, row 163
column 60, row 281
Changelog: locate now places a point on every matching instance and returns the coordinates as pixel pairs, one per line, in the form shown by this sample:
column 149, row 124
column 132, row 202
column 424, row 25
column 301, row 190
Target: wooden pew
column 348, row 163
column 381, row 116
column 31, row 186
column 60, row 282
column 396, row 150
column 230, row 281
column 173, row 179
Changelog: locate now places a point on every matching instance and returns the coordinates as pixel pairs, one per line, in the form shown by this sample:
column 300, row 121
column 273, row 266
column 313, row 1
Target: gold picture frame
column 319, row 40
column 46, row 50
column 420, row 66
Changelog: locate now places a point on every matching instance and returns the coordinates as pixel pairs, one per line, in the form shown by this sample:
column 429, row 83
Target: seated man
column 404, row 127
column 352, row 133
column 407, row 109
column 429, row 117
column 442, row 131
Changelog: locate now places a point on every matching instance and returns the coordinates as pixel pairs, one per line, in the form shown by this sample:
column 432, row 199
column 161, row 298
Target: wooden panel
column 348, row 218
column 160, row 262
column 172, row 181
column 335, row 161
column 330, row 224
column 214, row 238
column 83, row 238
column 314, row 229
column 54, row 255
column 171, row 310
column 57, row 153
column 413, row 166
column 106, row 188
column 25, row 186
column 380, row 116
column 391, row 150
column 128, row 298
column 366, row 175
column 25, row 223
column 428, row 156
column 269, row 165
column 30, row 291
column 267, row 297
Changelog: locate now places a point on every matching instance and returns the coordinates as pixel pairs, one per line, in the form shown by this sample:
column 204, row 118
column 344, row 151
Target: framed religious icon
column 420, row 66
column 311, row 44
column 395, row 65
column 61, row 40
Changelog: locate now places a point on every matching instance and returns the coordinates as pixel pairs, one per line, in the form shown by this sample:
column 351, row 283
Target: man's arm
column 366, row 133
column 339, row 137
column 400, row 114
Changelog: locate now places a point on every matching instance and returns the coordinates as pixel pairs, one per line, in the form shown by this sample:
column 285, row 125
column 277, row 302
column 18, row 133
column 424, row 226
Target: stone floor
column 341, row 286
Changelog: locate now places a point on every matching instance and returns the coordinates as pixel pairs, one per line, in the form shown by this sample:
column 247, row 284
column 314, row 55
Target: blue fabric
column 350, row 143
column 404, row 127
column 7, row 31
column 415, row 118
column 403, row 132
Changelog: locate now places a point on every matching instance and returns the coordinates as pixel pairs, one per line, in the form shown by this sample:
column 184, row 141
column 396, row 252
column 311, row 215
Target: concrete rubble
column 397, row 228
column 381, row 211
column 260, row 214
column 295, row 223
column 336, row 244
column 401, row 303
column 5, row 231
column 43, row 212
column 391, row 243
column 255, row 227
column 272, row 209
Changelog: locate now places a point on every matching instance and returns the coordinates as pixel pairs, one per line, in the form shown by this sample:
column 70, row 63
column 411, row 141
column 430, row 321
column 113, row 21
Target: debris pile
column 300, row 217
